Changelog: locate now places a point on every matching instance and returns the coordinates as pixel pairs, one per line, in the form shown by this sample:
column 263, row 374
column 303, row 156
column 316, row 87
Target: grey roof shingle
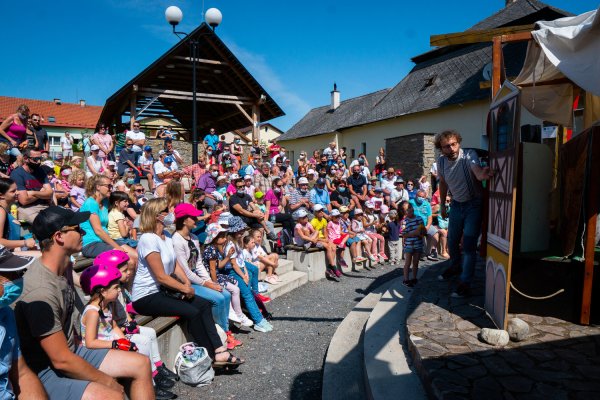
column 441, row 77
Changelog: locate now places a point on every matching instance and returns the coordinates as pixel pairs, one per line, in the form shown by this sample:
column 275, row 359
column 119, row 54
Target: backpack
column 284, row 239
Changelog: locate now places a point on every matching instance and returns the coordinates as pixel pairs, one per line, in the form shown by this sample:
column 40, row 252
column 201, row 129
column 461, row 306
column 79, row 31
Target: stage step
column 289, row 281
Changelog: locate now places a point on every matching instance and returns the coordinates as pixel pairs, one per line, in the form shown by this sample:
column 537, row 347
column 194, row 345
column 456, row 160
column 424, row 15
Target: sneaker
column 264, row 299
column 407, row 283
column 162, row 394
column 166, row 372
column 263, row 287
column 329, row 273
column 422, row 258
column 433, row 256
column 269, row 325
column 449, row 273
column 245, row 321
column 232, row 342
column 373, row 258
column 360, row 259
column 337, row 273
column 381, row 260
column 382, row 255
column 343, row 262
column 233, row 316
column 161, row 381
column 462, row 290
column 263, row 326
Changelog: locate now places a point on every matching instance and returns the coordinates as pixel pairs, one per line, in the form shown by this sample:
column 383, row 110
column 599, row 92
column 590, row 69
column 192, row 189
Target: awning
column 228, row 96
column 564, row 52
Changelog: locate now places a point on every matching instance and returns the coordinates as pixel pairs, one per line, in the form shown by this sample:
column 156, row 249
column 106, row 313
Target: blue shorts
column 93, row 250
column 58, row 386
column 412, row 249
column 352, row 240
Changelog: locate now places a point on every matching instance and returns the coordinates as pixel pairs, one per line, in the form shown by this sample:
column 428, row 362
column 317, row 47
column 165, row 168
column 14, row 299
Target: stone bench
column 311, row 261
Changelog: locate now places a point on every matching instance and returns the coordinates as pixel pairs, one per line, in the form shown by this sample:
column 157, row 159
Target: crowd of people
column 158, row 252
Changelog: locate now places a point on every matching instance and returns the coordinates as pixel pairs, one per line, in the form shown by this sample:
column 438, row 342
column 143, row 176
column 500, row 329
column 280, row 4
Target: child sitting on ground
column 118, row 225
column 412, row 232
column 100, row 330
column 255, row 254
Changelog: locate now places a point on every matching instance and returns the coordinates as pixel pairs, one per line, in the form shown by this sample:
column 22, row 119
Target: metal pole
column 194, row 116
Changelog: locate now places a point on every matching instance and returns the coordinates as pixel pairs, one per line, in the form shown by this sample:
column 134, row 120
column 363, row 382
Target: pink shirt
column 106, row 141
column 334, row 231
column 297, row 239
column 271, row 196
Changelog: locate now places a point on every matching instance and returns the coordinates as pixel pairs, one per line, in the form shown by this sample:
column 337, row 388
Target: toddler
column 77, row 192
column 412, row 231
column 118, row 225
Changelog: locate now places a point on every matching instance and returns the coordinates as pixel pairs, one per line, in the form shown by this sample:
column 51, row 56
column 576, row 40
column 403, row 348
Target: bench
column 311, row 261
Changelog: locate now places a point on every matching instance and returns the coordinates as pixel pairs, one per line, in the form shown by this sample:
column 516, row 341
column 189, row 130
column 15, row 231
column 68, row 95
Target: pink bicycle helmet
column 112, row 258
column 98, row 276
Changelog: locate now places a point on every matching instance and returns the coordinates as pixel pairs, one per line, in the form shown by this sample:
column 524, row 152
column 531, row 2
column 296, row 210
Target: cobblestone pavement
column 559, row 360
column 287, row 363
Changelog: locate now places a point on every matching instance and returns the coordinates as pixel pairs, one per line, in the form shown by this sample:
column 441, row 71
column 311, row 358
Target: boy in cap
column 46, row 323
column 319, row 223
column 17, row 378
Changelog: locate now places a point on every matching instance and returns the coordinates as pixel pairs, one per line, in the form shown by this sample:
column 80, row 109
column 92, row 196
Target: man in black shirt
column 357, row 183
column 241, row 205
column 341, row 197
column 41, row 136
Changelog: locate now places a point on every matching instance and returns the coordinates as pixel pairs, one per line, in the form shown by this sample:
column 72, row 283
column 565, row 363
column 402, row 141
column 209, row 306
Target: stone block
column 517, row 329
column 312, row 263
column 494, row 337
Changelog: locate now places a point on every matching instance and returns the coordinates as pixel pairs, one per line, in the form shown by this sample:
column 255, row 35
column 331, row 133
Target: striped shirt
column 410, row 225
column 459, row 177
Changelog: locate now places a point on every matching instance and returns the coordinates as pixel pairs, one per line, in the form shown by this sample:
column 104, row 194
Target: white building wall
column 469, row 120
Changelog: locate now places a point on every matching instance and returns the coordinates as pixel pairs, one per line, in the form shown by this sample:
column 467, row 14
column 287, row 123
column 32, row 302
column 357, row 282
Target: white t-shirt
column 139, row 135
column 248, row 256
column 388, row 184
column 144, row 283
column 65, row 143
column 398, row 195
column 237, row 255
column 159, row 168
column 146, row 161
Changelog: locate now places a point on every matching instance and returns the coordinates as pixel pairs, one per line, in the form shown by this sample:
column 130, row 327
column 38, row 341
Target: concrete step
column 343, row 375
column 283, row 268
column 289, row 282
column 386, row 358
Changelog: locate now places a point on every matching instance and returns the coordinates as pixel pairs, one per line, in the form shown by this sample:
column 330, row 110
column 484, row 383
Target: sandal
column 272, row 280
column 229, row 363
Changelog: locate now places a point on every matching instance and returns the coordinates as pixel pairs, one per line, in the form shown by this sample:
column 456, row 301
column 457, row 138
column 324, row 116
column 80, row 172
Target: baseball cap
column 302, row 181
column 12, row 262
column 233, row 177
column 221, row 177
column 47, row 169
column 161, row 152
column 111, row 163
column 378, row 190
column 168, row 159
column 361, row 161
column 321, row 181
column 248, row 177
column 94, row 147
column 358, row 211
column 310, row 172
column 186, row 210
column 369, row 204
column 335, row 212
column 258, row 195
column 59, row 156
column 300, row 214
column 148, row 148
column 318, row 207
column 344, row 209
column 399, row 180
column 53, row 219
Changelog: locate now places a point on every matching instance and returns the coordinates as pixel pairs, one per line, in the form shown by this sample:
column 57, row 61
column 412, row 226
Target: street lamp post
column 213, row 17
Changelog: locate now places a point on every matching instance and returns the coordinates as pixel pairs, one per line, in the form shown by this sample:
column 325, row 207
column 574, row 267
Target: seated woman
column 11, row 231
column 96, row 239
column 275, row 203
column 187, row 250
column 161, row 287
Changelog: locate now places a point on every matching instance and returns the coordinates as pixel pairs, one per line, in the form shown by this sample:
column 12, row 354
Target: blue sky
column 73, row 49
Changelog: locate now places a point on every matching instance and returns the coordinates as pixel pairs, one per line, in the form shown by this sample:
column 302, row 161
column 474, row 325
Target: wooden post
column 496, row 64
column 590, row 238
column 132, row 106
column 255, row 123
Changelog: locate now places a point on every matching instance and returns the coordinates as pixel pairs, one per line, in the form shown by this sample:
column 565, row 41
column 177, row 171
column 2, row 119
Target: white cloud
column 292, row 104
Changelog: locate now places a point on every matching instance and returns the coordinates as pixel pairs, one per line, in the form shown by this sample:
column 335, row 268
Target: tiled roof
column 441, row 77
column 324, row 120
column 65, row 115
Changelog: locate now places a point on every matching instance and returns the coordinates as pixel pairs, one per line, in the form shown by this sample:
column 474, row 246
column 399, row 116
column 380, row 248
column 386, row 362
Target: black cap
column 11, row 262
column 53, row 219
column 47, row 169
column 321, row 181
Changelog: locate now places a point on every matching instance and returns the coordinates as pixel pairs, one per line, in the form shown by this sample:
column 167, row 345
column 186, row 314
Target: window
column 352, row 154
column 54, row 141
column 51, row 119
column 363, row 148
column 292, row 157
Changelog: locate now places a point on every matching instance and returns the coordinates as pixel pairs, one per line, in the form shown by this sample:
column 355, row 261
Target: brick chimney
column 335, row 98
column 509, row 2
column 82, row 103
column 57, row 102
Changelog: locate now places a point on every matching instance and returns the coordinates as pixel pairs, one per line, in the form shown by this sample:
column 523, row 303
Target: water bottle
column 272, row 218
column 14, row 212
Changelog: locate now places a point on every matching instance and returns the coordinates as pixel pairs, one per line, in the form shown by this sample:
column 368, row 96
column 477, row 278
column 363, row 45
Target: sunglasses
column 35, row 120
column 139, row 190
column 73, row 229
column 108, row 185
column 35, row 159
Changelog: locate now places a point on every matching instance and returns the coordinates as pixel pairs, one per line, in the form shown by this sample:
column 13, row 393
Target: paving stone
column 444, row 333
column 497, row 366
column 584, row 386
column 548, row 376
column 474, row 372
column 550, row 392
column 572, row 356
column 517, row 358
column 450, row 376
column 464, row 325
column 589, row 371
column 442, row 388
column 589, row 349
column 587, row 395
column 429, row 318
column 445, row 339
column 556, row 365
column 458, row 349
column 517, row 384
column 441, row 325
column 541, row 355
column 433, row 364
column 452, row 365
column 552, row 320
column 429, row 345
column 464, row 360
column 487, row 388
column 556, row 330
column 549, row 338
column 532, row 319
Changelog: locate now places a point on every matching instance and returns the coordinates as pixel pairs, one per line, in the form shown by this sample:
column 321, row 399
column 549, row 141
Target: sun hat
column 369, row 204
column 224, row 218
column 234, row 177
column 344, row 209
column 373, row 178
column 94, row 147
column 11, row 262
column 237, row 224
column 221, row 177
column 317, row 207
column 310, row 172
column 53, row 219
column 212, row 231
column 302, row 181
column 301, row 213
column 399, row 180
column 248, row 177
column 186, row 210
column 335, row 212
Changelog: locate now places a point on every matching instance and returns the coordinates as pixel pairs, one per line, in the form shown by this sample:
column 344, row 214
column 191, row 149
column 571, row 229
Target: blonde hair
column 149, row 212
column 75, row 175
column 92, row 182
column 3, row 147
column 173, row 193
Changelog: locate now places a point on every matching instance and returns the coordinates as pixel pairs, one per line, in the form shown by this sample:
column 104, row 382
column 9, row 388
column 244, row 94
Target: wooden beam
column 488, row 84
column 132, row 106
column 203, row 60
column 186, row 93
column 255, row 123
column 590, row 240
column 145, row 107
column 516, row 37
column 242, row 136
column 245, row 113
column 478, row 36
column 496, row 65
column 203, row 99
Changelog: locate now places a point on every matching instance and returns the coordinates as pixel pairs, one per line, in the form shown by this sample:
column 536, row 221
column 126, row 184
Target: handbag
column 172, row 293
column 193, row 365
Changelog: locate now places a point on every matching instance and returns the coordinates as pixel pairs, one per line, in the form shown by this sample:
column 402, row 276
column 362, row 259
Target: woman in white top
column 161, row 287
column 95, row 164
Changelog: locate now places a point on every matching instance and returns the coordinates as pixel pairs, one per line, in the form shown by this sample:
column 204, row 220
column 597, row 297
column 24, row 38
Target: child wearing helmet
column 144, row 337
